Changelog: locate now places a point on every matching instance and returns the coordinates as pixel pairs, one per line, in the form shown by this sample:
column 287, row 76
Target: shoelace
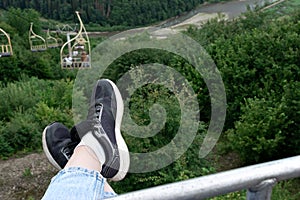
column 68, row 150
column 98, row 111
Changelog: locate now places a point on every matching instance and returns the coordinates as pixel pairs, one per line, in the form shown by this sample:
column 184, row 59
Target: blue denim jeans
column 77, row 183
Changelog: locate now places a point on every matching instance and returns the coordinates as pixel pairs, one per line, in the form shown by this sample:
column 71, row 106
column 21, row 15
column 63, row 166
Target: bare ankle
column 85, row 157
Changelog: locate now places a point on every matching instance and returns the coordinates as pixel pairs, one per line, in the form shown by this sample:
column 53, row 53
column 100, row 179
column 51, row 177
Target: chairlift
column 75, row 53
column 5, row 44
column 51, row 41
column 37, row 43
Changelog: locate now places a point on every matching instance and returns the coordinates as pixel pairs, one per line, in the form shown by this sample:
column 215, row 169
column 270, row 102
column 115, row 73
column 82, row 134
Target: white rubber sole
column 47, row 152
column 122, row 147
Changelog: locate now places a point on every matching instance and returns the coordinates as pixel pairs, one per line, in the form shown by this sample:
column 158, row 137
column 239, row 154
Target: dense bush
column 27, row 107
column 258, row 57
column 260, row 132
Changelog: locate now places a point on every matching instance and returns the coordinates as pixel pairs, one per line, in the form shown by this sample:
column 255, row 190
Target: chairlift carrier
column 5, row 45
column 37, row 43
column 75, row 53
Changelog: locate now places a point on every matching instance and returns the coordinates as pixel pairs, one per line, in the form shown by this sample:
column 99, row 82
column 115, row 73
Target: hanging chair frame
column 6, row 49
column 51, row 41
column 79, row 49
column 33, row 37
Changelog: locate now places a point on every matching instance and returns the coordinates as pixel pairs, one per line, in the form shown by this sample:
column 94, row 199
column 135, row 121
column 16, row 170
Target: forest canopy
column 107, row 12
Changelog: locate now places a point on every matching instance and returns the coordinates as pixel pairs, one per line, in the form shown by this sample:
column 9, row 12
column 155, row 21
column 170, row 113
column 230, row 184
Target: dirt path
column 25, row 178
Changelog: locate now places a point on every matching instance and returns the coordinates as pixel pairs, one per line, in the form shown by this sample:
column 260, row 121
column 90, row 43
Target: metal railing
column 257, row 179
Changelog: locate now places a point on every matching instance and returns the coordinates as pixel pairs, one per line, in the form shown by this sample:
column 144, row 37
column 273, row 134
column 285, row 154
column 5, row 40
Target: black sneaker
column 104, row 121
column 58, row 145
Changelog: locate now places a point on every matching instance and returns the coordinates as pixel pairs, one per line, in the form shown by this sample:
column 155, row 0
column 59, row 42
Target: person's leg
column 105, row 115
column 101, row 143
column 86, row 158
column 80, row 179
column 102, row 127
column 61, row 149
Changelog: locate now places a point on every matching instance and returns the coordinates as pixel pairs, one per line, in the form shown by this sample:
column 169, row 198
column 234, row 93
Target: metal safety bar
column 257, row 179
